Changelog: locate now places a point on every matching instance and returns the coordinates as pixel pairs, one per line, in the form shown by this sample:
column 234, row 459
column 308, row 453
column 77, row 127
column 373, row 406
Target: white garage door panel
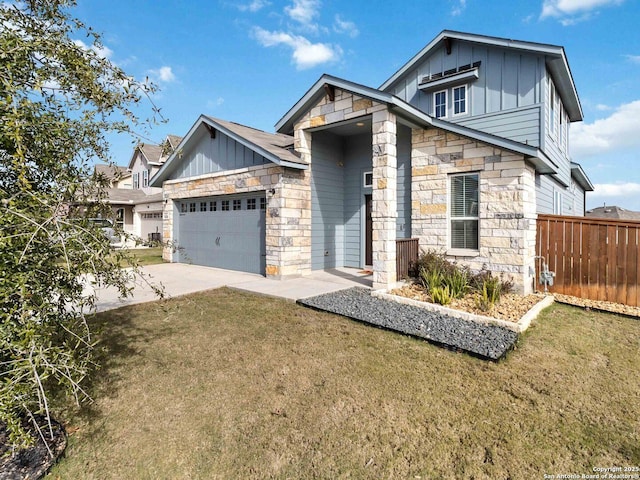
column 231, row 239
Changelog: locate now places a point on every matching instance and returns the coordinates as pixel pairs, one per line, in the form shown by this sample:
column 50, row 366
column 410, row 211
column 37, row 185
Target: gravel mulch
column 610, row 307
column 486, row 341
column 511, row 307
column 33, row 462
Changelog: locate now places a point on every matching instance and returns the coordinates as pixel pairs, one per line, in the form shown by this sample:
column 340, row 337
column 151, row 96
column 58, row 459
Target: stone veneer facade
column 288, row 215
column 507, row 210
column 347, row 106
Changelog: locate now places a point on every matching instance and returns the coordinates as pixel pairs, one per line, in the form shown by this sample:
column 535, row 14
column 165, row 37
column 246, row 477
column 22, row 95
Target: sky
column 249, row 61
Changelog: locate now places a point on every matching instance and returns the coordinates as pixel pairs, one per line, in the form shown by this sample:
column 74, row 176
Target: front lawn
column 230, row 385
column 146, row 256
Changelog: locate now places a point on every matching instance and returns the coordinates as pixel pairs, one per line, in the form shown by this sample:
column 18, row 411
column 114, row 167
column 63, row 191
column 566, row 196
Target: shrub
column 457, row 281
column 430, row 278
column 489, row 294
column 441, row 295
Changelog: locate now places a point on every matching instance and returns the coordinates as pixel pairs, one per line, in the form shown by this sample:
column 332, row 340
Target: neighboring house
column 137, row 207
column 460, row 148
column 612, row 212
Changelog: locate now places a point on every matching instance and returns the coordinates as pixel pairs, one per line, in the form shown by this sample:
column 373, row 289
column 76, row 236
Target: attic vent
column 448, row 73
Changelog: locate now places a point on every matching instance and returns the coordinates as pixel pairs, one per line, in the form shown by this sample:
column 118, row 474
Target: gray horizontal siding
column 210, row 155
column 572, row 198
column 520, row 125
column 327, row 201
column 357, row 159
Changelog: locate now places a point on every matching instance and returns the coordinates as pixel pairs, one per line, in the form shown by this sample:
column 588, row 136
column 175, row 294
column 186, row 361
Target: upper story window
column 136, row 181
column 145, row 178
column 463, row 211
column 440, row 104
column 552, row 108
column 460, row 100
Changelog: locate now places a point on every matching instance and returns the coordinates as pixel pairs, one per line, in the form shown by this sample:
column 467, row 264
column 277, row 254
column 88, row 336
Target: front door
column 368, row 231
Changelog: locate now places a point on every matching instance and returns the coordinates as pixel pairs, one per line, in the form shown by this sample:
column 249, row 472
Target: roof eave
column 581, row 177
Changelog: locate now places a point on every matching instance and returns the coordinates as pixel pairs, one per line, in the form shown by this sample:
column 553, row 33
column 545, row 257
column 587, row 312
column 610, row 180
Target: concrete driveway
column 181, row 279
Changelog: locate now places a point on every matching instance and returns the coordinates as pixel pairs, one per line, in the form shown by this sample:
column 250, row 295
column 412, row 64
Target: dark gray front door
column 225, row 232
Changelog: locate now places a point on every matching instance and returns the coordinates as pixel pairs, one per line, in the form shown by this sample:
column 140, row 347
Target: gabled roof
column 111, row 172
column 556, row 62
column 173, row 140
column 275, row 147
column 151, row 153
column 413, row 117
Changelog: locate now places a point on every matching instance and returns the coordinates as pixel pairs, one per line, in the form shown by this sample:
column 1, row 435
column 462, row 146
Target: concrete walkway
column 181, row 279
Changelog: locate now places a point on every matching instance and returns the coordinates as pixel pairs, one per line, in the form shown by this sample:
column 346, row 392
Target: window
column 367, row 180
column 225, row 205
column 552, row 108
column 203, row 206
column 213, row 206
column 263, row 203
column 183, row 208
column 145, row 178
column 136, row 181
column 460, row 100
column 120, row 218
column 237, row 204
column 464, row 211
column 192, row 207
column 557, row 203
column 440, row 104
column 251, row 204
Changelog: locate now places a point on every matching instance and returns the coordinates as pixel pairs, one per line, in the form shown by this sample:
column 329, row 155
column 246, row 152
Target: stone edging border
column 518, row 327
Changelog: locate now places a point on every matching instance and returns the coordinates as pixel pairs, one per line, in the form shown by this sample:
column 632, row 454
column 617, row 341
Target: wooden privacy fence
column 592, row 258
column 406, row 254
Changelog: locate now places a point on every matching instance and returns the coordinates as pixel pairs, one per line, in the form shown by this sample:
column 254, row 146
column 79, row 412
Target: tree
column 59, row 98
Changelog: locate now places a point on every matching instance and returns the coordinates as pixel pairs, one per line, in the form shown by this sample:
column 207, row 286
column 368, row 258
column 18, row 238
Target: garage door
column 224, row 232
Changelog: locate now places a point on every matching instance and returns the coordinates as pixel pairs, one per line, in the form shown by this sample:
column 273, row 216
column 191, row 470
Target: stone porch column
column 384, row 208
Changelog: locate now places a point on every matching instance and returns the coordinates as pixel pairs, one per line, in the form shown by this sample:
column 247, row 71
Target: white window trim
column 466, row 100
column 135, row 184
column 462, row 252
column 446, row 103
column 364, row 179
column 145, row 178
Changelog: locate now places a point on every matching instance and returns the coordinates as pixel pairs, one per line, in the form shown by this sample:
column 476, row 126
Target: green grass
column 146, row 256
column 230, row 385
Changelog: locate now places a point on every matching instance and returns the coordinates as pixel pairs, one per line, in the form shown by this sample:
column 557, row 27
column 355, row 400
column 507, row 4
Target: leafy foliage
column 445, row 280
column 59, row 96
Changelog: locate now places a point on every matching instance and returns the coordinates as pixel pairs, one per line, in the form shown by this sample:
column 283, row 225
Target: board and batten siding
column 210, row 155
column 506, row 79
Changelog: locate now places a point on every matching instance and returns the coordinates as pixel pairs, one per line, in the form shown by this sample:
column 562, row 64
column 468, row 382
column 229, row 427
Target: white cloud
column 603, row 108
column 163, row 74
column 633, row 58
column 557, row 8
column 345, row 26
column 618, row 131
column 254, row 6
column 305, row 54
column 102, row 51
column 459, row 7
column 303, row 11
column 615, row 189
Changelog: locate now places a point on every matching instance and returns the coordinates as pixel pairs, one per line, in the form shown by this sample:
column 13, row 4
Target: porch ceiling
column 347, row 129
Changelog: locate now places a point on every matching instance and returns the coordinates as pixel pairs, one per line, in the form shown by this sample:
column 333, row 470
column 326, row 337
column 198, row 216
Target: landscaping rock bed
column 486, row 341
column 32, row 462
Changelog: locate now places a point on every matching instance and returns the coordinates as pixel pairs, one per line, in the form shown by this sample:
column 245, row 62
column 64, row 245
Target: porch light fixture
column 360, row 124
